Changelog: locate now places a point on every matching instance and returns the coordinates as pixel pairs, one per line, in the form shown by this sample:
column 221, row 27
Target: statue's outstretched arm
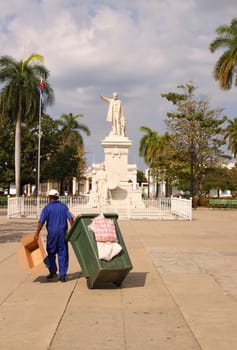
column 104, row 98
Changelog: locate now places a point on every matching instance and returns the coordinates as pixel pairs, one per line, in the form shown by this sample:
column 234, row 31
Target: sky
column 137, row 48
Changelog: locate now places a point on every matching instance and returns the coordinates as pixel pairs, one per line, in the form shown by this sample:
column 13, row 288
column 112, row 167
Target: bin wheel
column 89, row 283
column 118, row 283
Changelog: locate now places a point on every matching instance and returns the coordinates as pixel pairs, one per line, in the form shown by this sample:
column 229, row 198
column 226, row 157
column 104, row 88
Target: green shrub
column 3, row 201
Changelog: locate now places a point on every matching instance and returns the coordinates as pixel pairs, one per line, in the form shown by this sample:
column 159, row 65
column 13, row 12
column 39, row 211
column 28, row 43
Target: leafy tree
column 220, row 178
column 233, row 181
column 51, row 140
column 58, row 160
column 231, row 135
column 63, row 166
column 19, row 100
column 225, row 68
column 197, row 135
column 28, row 156
column 6, row 154
column 141, row 177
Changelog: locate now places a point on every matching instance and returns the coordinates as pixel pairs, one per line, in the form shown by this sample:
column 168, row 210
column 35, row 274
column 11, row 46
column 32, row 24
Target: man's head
column 53, row 194
column 115, row 95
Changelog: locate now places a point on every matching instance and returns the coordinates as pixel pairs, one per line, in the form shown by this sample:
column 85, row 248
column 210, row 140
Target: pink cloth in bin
column 104, row 229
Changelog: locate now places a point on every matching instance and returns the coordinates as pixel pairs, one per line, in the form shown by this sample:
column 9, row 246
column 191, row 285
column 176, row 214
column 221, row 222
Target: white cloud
column 138, row 48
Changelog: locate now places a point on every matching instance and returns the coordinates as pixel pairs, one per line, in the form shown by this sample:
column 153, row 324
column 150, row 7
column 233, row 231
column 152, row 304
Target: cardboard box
column 31, row 254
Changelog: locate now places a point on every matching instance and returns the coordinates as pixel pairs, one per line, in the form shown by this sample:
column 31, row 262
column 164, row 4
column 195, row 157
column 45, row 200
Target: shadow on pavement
column 70, row 277
column 135, row 279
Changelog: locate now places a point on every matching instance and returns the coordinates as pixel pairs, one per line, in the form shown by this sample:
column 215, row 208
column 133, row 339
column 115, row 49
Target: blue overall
column 56, row 214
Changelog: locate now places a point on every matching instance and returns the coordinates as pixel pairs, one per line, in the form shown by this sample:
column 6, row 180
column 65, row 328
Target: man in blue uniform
column 56, row 215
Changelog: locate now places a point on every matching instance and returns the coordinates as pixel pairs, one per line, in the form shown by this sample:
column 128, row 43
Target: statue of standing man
column 115, row 115
column 102, row 185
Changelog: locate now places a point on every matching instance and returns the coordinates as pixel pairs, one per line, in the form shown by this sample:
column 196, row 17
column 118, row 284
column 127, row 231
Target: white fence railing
column 156, row 209
column 181, row 207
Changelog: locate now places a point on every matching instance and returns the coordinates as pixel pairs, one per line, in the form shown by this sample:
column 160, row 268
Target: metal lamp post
column 148, row 192
column 192, row 154
column 39, row 146
column 41, row 93
column 36, row 181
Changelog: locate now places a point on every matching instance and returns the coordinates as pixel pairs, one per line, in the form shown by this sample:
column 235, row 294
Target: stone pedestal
column 119, row 175
column 116, row 159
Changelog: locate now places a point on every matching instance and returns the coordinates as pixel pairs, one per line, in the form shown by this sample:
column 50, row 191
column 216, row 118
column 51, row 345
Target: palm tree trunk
column 18, row 154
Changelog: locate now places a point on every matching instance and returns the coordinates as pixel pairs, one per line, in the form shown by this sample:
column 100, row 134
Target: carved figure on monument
column 123, row 125
column 93, row 199
column 115, row 115
column 102, row 185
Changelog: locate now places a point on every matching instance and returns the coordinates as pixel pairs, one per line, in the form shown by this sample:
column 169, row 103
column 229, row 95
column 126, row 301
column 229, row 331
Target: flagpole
column 39, row 146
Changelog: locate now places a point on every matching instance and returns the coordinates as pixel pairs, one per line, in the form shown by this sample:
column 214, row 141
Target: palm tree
column 152, row 146
column 72, row 142
column 231, row 135
column 19, row 100
column 147, row 144
column 70, row 128
column 159, row 154
column 225, row 68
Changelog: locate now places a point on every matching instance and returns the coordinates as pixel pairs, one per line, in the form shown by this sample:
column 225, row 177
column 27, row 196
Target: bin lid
column 93, row 215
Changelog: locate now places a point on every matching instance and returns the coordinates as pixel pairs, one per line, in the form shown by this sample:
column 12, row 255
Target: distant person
column 115, row 114
column 56, row 215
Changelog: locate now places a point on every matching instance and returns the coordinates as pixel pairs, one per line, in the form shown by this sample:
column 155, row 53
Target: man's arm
column 39, row 227
column 70, row 218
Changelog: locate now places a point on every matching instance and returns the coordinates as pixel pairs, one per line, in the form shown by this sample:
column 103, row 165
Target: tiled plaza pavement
column 181, row 293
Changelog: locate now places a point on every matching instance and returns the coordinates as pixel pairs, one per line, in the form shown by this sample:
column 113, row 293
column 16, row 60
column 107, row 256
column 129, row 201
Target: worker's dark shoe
column 62, row 278
column 51, row 275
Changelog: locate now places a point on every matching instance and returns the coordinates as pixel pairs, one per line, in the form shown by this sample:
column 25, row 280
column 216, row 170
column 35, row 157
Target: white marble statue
column 102, row 185
column 115, row 115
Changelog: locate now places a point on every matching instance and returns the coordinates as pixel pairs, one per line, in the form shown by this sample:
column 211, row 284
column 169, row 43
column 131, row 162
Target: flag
column 41, row 88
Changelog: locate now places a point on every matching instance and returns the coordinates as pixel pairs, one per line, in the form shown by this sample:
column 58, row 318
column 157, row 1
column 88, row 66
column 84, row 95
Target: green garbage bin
column 84, row 244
